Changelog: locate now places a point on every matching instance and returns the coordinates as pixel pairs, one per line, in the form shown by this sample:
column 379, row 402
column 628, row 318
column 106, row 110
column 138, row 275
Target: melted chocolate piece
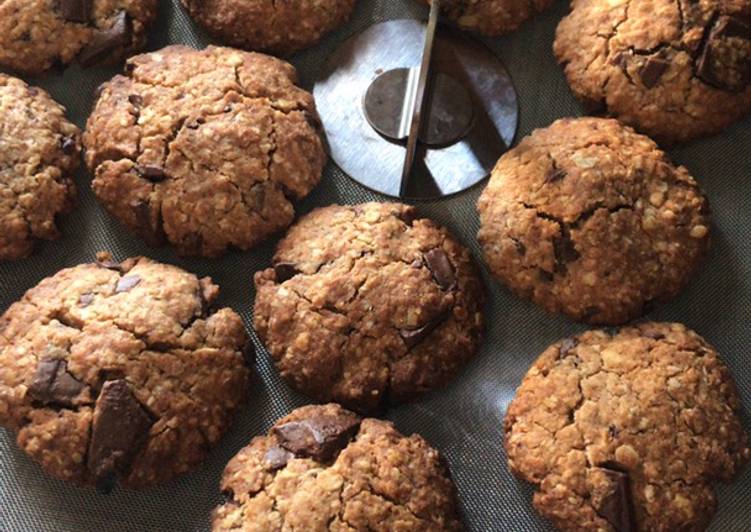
column 277, row 457
column 567, row 345
column 440, row 266
column 127, row 283
column 119, row 429
column 68, row 145
column 652, row 71
column 412, row 337
column 76, row 10
column 616, row 506
column 153, row 173
column 285, row 271
column 52, row 384
column 555, row 174
column 320, row 438
column 104, row 42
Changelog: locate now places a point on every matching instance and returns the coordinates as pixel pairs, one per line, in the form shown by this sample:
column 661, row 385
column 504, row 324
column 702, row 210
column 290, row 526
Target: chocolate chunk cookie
column 369, row 305
column 492, row 17
column 590, row 219
column 39, row 151
column 323, row 468
column 673, row 69
column 120, row 372
column 204, row 149
column 627, row 432
column 37, row 34
column 279, row 28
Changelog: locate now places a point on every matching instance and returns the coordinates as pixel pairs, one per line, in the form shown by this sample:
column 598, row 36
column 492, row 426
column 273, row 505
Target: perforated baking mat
column 463, row 420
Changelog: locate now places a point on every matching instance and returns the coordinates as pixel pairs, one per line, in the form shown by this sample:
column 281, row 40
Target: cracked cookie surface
column 627, row 432
column 492, row 17
column 369, row 305
column 120, row 372
column 38, row 34
column 673, row 69
column 323, row 468
column 39, row 151
column 204, row 149
column 590, row 219
column 280, row 28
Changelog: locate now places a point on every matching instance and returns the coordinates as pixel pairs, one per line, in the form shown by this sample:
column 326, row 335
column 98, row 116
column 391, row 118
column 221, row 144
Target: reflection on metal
column 470, row 117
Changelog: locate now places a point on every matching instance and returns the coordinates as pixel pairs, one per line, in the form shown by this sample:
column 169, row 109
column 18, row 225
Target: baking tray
column 463, row 420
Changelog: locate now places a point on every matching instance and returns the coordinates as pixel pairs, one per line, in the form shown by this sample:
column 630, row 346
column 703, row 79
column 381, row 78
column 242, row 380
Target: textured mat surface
column 463, row 420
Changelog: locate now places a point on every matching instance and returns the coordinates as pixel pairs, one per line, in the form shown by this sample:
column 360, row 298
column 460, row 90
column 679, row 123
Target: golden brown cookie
column 673, row 69
column 39, row 151
column 120, row 372
column 37, row 34
column 590, row 219
column 492, row 17
column 204, row 149
column 627, row 431
column 369, row 305
column 323, row 468
column 271, row 26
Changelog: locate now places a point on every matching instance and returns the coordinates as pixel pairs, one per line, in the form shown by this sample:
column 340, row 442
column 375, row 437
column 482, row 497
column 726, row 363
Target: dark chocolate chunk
column 407, row 216
column 277, row 457
column 135, row 100
column 652, row 70
column 555, row 174
column 110, row 265
column 68, row 145
column 412, row 337
column 613, row 431
column 320, row 438
column 567, row 345
column 86, row 299
column 148, row 226
column 153, row 173
column 725, row 61
column 521, row 249
column 127, row 283
column 564, row 250
column 104, row 42
column 119, row 429
column 440, row 266
column 76, row 10
column 52, row 384
column 615, row 506
column 285, row 271
column 621, row 60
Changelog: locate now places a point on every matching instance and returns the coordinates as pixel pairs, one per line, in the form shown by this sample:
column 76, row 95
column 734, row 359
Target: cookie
column 39, row 152
column 120, row 372
column 491, row 17
column 204, row 149
column 675, row 70
column 590, row 219
column 323, row 468
column 369, row 305
column 279, row 28
column 38, row 34
column 627, row 431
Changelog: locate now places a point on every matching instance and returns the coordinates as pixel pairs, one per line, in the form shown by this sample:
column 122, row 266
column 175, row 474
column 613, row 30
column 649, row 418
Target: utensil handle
column 422, row 84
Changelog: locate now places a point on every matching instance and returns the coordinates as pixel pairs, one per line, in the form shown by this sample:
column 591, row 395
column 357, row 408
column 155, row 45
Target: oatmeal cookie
column 120, row 372
column 323, row 468
column 39, row 152
column 37, row 34
column 673, row 69
column 279, row 28
column 204, row 149
column 369, row 305
column 591, row 219
column 492, row 17
column 627, row 431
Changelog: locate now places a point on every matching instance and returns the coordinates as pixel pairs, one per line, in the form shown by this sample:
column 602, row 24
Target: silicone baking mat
column 463, row 420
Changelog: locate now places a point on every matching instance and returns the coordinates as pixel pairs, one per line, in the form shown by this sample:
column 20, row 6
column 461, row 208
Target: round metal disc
column 449, row 108
column 375, row 161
